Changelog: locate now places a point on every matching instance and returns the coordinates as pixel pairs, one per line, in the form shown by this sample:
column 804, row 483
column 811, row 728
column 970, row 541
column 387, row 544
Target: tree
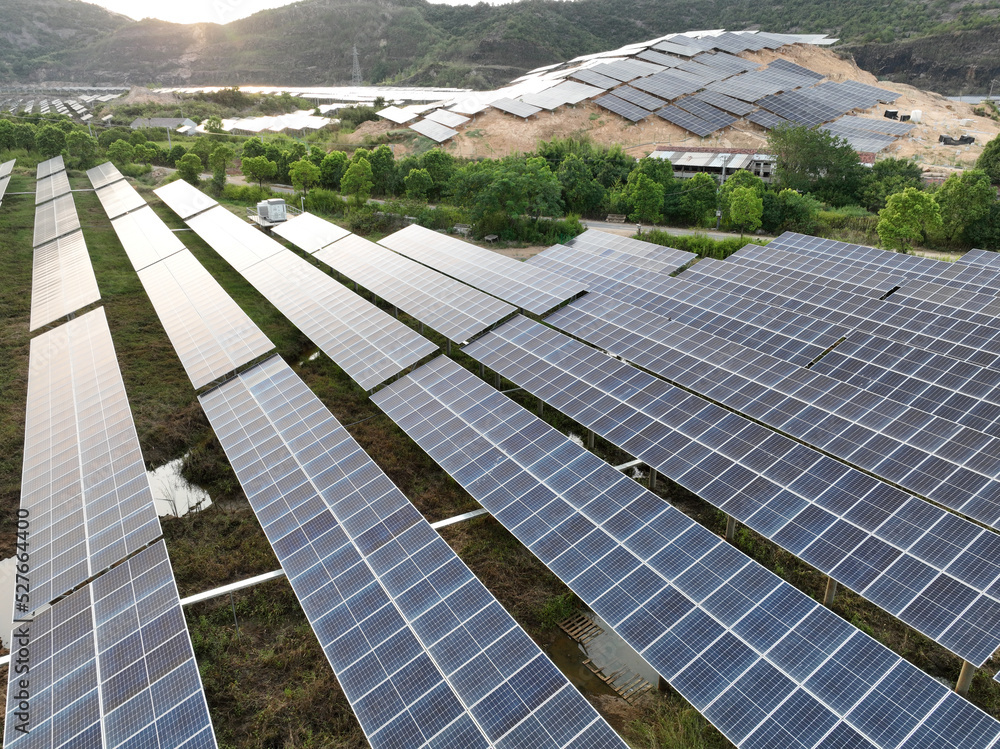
column 175, row 154
column 214, row 124
column 418, row 183
column 964, row 200
column 121, row 152
column 580, row 191
column 189, row 166
column 259, row 169
column 6, row 135
column 145, row 153
column 692, row 203
column 332, row 170
column 442, row 167
column 304, row 174
column 82, row 147
column 611, row 166
column 383, row 169
column 252, row 147
column 815, row 161
column 497, row 193
column 218, row 162
column 906, row 218
column 357, row 181
column 739, row 178
column 886, row 177
column 989, row 161
column 24, row 136
column 111, row 135
column 645, row 198
column 789, row 211
column 745, row 209
column 50, row 141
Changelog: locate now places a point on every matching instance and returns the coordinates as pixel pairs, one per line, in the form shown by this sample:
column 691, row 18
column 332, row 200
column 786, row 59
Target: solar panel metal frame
column 485, row 441
column 111, row 665
column 310, row 233
column 83, row 481
column 62, row 280
column 382, row 590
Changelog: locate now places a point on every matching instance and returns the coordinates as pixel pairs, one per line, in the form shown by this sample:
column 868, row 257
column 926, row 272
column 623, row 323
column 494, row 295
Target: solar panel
column 658, row 58
column 54, row 219
column 51, row 187
column 83, row 480
column 453, row 309
column 612, row 264
column 433, row 130
column 120, row 198
column 829, row 522
column 725, row 103
column 517, row 108
column 622, row 108
column 677, row 47
column 4, row 182
column 689, row 122
column 667, row 86
column 766, row 120
column 572, row 92
column 185, row 200
column 585, row 75
column 595, row 239
column 239, row 244
column 7, row 167
column 62, row 280
column 707, row 112
column 424, row 653
column 111, row 665
column 309, row 232
column 529, row 288
column 211, row 334
column 397, row 115
column 104, row 175
column 446, row 118
column 639, row 98
column 50, row 167
column 146, row 238
column 617, row 546
column 988, row 258
column 725, row 63
column 791, row 67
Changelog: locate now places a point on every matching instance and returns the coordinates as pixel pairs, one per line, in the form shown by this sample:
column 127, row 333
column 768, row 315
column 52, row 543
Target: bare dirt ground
column 492, row 134
column 140, row 95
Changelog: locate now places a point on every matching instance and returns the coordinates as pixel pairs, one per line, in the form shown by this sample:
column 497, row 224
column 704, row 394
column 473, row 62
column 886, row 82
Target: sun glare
column 190, row 11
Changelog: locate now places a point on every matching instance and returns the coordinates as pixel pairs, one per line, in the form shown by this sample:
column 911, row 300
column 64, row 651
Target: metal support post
column 421, row 328
column 395, row 312
column 498, row 381
column 831, row 591
column 541, row 407
column 590, row 439
column 652, row 478
column 449, row 348
column 730, row 529
column 661, row 683
column 482, row 371
column 235, row 620
column 965, row 679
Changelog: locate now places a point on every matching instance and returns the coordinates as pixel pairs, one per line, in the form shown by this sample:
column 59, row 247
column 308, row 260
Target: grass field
column 267, row 681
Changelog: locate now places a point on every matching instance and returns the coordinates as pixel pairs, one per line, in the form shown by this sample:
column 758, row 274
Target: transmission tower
column 356, row 70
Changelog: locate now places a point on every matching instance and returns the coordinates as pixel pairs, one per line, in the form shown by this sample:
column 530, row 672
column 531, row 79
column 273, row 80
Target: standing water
column 172, row 494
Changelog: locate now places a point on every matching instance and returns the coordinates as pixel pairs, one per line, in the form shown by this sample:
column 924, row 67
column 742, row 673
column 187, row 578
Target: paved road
column 628, row 230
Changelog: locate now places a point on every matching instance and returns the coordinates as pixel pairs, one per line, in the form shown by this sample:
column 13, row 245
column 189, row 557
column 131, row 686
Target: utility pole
column 356, row 69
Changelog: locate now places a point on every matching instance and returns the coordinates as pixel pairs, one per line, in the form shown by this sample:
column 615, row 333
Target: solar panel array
column 83, row 480
column 112, row 665
column 517, row 108
column 446, row 118
column 54, row 219
column 234, row 239
column 62, row 280
column 532, row 289
column 424, row 653
column 622, row 108
column 843, row 523
column 686, row 120
column 456, row 311
column 146, row 239
column 667, row 86
column 185, row 200
column 120, row 198
column 594, row 79
column 866, row 134
column 51, row 187
column 596, row 240
column 766, row 120
column 103, row 175
column 713, row 116
column 50, row 167
column 639, row 98
column 766, row 664
column 433, row 130
column 309, row 232
column 6, row 168
column 725, row 103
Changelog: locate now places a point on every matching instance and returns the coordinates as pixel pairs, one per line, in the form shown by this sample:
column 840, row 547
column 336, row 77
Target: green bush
column 326, row 202
column 700, row 244
column 247, row 194
column 851, row 222
column 371, row 219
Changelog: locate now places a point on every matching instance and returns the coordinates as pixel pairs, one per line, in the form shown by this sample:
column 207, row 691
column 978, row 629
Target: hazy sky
column 215, row 11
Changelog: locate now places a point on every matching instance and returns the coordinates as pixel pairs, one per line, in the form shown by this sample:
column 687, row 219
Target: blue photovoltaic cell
column 719, row 627
column 424, row 653
column 83, row 481
column 112, row 665
column 829, row 516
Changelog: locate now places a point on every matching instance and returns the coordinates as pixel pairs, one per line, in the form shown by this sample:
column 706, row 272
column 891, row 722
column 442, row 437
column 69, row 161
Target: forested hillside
column 415, row 42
